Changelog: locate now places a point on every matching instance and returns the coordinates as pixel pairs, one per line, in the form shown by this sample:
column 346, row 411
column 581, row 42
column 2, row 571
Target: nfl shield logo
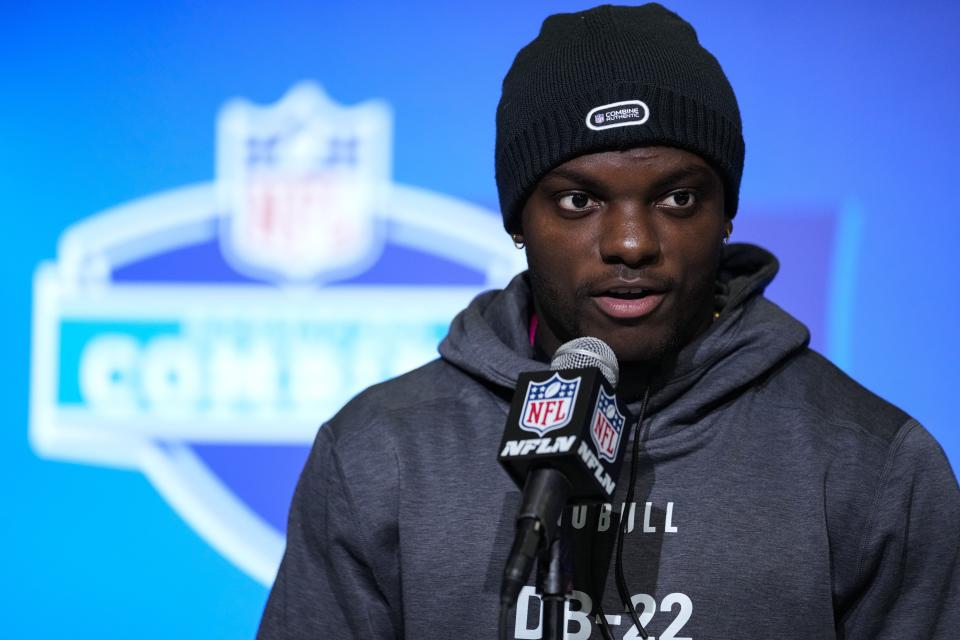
column 548, row 405
column 607, row 426
column 300, row 185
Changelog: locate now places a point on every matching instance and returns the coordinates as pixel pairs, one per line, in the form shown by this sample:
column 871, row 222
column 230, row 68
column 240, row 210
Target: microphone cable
column 641, row 433
column 504, row 621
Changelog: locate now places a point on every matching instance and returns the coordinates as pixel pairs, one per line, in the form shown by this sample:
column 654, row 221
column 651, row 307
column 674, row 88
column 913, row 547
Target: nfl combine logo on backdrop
column 607, row 426
column 548, row 405
column 203, row 334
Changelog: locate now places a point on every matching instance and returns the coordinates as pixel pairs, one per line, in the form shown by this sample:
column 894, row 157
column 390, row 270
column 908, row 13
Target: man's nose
column 629, row 235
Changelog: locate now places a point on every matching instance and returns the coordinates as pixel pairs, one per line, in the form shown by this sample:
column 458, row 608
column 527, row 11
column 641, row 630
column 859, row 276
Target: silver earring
column 517, row 240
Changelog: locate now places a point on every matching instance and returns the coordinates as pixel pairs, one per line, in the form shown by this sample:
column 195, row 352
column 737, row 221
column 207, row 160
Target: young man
column 776, row 497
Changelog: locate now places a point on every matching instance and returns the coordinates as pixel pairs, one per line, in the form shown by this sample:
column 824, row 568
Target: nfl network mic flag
column 571, row 421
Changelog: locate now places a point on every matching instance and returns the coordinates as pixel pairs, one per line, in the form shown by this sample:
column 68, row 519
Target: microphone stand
column 555, row 583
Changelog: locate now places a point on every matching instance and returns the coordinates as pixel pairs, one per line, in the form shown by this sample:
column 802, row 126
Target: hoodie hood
column 490, row 340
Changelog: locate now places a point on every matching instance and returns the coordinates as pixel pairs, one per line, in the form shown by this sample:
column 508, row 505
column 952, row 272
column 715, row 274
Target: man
column 776, row 497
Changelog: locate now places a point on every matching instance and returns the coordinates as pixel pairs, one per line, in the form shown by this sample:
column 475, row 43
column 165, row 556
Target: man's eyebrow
column 575, row 176
column 683, row 174
column 686, row 172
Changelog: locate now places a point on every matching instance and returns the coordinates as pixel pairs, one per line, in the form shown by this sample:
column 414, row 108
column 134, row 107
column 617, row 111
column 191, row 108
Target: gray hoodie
column 776, row 498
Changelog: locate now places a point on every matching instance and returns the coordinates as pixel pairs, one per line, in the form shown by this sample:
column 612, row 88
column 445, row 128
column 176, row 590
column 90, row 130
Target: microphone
column 563, row 442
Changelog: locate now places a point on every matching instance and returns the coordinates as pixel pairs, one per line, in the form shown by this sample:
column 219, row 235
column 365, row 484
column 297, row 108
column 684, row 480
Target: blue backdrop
column 850, row 127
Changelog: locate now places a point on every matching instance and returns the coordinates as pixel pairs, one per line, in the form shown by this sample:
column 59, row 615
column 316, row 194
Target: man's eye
column 577, row 201
column 679, row 200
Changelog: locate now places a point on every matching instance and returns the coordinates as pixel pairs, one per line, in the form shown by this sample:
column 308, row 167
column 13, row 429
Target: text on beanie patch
column 618, row 114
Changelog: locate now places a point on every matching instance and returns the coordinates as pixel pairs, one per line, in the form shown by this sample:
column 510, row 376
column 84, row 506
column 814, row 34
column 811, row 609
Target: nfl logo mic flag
column 548, row 404
column 607, row 426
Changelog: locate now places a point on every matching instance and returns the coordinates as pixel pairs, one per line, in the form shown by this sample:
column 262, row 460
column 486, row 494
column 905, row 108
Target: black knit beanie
column 613, row 78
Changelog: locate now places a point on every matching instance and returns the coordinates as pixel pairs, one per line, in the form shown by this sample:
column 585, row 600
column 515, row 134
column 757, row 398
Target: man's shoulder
column 812, row 384
column 430, row 389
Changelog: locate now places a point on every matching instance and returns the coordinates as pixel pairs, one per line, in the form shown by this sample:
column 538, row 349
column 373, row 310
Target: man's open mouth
column 628, row 294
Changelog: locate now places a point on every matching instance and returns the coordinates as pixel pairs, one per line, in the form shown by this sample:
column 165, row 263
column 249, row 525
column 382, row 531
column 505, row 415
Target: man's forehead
column 659, row 158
